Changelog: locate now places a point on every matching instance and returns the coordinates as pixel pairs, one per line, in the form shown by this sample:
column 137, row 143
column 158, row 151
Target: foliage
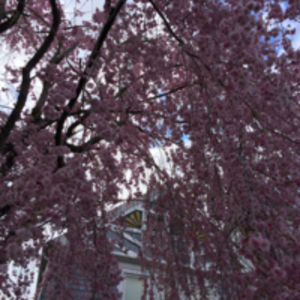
column 94, row 98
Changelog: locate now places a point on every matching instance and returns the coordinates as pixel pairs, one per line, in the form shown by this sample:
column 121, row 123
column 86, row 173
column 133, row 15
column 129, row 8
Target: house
column 131, row 286
column 126, row 249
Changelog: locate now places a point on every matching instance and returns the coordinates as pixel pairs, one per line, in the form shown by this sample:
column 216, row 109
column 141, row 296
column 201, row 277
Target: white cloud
column 296, row 37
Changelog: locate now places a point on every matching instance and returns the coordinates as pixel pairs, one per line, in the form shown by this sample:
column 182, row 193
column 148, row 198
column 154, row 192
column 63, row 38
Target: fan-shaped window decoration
column 199, row 234
column 134, row 219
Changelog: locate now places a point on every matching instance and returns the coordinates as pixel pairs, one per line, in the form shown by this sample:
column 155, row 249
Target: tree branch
column 77, row 123
column 84, row 147
column 2, row 10
column 178, row 39
column 56, row 59
column 14, row 116
column 171, row 91
column 14, row 18
column 10, row 153
column 83, row 80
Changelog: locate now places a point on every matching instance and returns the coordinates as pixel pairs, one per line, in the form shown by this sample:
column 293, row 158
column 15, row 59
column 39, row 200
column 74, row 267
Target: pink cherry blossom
column 212, row 86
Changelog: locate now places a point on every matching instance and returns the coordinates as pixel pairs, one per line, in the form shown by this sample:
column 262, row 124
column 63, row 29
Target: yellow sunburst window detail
column 134, row 219
column 199, row 234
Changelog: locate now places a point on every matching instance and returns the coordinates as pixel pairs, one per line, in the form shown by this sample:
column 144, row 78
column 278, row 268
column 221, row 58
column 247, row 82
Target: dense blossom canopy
column 215, row 82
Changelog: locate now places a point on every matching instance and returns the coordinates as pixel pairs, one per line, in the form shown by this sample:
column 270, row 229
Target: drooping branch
column 14, row 116
column 180, row 41
column 14, row 18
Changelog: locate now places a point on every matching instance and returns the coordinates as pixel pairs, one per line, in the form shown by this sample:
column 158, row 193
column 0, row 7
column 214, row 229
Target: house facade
column 126, row 249
column 131, row 286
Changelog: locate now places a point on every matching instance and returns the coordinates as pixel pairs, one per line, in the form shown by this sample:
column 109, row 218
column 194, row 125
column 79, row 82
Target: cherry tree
column 95, row 97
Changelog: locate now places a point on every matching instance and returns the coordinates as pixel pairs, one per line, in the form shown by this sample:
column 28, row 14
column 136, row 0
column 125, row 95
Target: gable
column 134, row 219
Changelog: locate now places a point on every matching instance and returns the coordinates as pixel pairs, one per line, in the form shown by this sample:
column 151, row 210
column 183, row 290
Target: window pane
column 134, row 289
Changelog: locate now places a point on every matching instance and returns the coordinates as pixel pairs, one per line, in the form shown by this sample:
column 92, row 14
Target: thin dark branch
column 14, row 18
column 105, row 30
column 171, row 91
column 14, row 116
column 39, row 16
column 46, row 44
column 72, row 127
column 77, row 123
column 83, row 80
column 10, row 153
column 56, row 59
column 72, row 68
column 193, row 56
column 84, row 147
column 179, row 40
